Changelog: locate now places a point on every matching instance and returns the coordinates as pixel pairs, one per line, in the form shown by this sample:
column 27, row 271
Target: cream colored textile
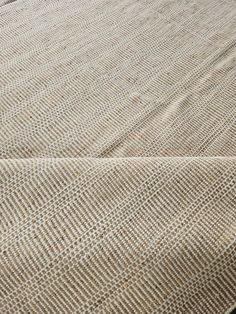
column 117, row 156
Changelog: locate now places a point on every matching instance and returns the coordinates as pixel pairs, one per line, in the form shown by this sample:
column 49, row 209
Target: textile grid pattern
column 117, row 156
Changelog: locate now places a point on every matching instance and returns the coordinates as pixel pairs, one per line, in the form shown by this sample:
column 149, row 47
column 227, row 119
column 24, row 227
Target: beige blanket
column 117, row 156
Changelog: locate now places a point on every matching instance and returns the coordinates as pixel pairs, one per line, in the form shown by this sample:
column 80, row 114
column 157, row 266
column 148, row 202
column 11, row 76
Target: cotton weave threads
column 117, row 157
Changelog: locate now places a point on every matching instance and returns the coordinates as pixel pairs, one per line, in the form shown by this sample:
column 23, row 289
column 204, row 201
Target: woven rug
column 117, row 156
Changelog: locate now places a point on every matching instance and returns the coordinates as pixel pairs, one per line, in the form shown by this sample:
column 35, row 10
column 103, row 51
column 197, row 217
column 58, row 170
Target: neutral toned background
column 117, row 156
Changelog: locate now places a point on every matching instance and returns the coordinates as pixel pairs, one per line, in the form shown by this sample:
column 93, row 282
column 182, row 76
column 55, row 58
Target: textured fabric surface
column 117, row 156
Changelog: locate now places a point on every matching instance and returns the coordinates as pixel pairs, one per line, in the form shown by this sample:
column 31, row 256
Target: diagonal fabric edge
column 118, row 234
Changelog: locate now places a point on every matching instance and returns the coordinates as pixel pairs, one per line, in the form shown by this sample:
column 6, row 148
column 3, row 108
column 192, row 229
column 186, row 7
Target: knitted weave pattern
column 117, row 156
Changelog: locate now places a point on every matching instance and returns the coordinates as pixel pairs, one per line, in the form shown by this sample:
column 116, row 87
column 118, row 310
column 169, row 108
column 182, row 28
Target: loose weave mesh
column 117, row 156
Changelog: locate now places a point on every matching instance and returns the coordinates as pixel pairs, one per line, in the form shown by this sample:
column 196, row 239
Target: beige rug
column 117, row 156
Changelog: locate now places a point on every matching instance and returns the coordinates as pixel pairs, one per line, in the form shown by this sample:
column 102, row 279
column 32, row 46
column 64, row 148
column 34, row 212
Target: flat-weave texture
column 117, row 156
